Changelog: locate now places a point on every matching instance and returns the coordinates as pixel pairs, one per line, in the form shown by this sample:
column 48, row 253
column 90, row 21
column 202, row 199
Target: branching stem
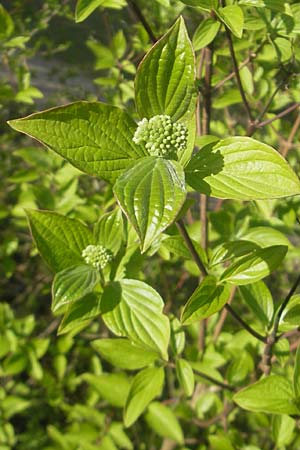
column 190, row 245
column 137, row 11
column 244, row 324
column 214, row 380
column 273, row 338
column 204, row 273
column 237, row 72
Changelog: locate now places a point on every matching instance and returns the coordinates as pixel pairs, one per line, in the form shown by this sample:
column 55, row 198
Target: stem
column 278, row 116
column 221, row 321
column 237, row 73
column 199, row 76
column 269, row 102
column 243, row 64
column 208, row 422
column 207, row 91
column 284, row 305
column 244, row 324
column 137, row 11
column 190, row 245
column 214, row 380
column 202, row 268
column 273, row 338
column 291, row 137
column 102, row 279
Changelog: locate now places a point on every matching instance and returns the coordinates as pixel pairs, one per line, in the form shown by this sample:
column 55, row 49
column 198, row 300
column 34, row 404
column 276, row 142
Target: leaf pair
column 98, row 138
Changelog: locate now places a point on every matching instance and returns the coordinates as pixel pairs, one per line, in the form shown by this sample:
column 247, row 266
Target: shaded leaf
column 259, row 299
column 206, row 300
column 72, row 284
column 256, row 266
column 59, row 239
column 108, row 231
column 80, row 313
column 151, row 194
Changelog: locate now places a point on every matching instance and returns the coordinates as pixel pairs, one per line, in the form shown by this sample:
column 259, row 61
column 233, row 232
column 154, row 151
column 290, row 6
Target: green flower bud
column 161, row 136
column 96, row 256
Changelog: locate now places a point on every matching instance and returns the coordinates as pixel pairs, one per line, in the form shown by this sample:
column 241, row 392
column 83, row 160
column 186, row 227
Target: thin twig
column 190, row 245
column 220, row 323
column 237, row 73
column 269, row 102
column 287, row 144
column 207, row 423
column 199, row 76
column 273, row 338
column 244, row 324
column 207, row 91
column 142, row 19
column 278, row 116
column 203, row 270
column 243, row 64
column 214, row 380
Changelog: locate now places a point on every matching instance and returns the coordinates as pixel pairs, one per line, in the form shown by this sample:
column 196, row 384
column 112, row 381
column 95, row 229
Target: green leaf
column 72, row 284
column 296, row 378
column 253, row 268
column 205, row 5
column 80, row 313
column 206, row 300
column 6, row 24
column 113, row 387
column 123, row 354
column 232, row 16
column 165, row 80
column 116, row 431
column 275, row 5
column 59, row 239
column 145, row 386
column 94, row 137
column 266, row 236
column 132, row 309
column 164, row 422
column 109, row 231
column 241, row 168
column 85, row 7
column 230, row 250
column 291, row 314
column 185, row 376
column 240, row 366
column 283, row 430
column 273, row 394
column 12, row 405
column 151, row 194
column 205, row 33
column 259, row 299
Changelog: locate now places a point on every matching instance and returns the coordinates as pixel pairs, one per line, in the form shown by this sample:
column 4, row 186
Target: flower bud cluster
column 161, row 136
column 96, row 256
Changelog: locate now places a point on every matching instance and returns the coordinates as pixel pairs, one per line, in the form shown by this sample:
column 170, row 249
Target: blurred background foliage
column 56, row 393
